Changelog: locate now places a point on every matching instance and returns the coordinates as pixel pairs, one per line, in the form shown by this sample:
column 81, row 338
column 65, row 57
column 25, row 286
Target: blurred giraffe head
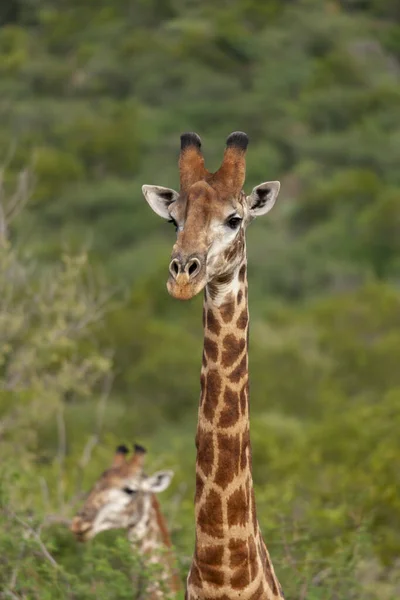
column 121, row 498
column 210, row 213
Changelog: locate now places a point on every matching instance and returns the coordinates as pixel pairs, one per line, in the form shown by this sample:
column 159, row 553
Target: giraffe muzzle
column 185, row 279
column 80, row 529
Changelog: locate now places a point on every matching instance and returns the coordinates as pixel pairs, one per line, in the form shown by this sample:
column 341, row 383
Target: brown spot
column 239, row 371
column 245, row 445
column 211, row 349
column 268, row 570
column 243, row 461
column 212, row 322
column 202, row 385
column 205, row 450
column 239, row 296
column 233, row 348
column 254, row 511
column 241, row 578
column 224, row 278
column 243, row 397
column 212, row 391
column 209, row 560
column 204, row 360
column 229, row 448
column 259, row 593
column 237, row 552
column 263, row 552
column 194, row 576
column 204, row 318
column 230, row 414
column 243, row 319
column 228, row 253
column 210, row 515
column 253, row 558
column 227, row 309
column 238, row 507
column 238, row 559
column 199, row 488
column 242, row 272
column 210, row 554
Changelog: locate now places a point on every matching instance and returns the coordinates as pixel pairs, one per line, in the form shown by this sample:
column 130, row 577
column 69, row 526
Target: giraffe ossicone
column 210, row 213
column 124, row 497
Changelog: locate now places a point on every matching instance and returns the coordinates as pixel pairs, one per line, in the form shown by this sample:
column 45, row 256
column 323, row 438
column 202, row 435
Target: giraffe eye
column 233, row 222
column 171, row 220
column 129, row 491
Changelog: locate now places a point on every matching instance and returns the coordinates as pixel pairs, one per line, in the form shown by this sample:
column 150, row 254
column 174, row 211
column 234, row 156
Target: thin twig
column 36, row 537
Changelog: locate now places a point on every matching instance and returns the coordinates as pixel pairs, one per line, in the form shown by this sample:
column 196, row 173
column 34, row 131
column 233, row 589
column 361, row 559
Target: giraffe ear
column 263, row 198
column 158, row 482
column 159, row 198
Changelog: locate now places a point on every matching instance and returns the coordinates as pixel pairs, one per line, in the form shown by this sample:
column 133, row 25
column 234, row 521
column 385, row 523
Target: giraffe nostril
column 174, row 268
column 193, row 267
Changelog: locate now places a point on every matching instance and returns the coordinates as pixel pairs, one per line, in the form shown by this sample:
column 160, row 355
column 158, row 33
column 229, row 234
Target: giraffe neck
column 150, row 538
column 230, row 557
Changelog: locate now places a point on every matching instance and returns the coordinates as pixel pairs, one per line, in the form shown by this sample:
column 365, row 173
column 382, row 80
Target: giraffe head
column 210, row 213
column 121, row 497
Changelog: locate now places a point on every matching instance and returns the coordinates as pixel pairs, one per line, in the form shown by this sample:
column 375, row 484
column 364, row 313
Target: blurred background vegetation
column 93, row 351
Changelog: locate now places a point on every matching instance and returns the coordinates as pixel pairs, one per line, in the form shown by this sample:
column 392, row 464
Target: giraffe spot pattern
column 233, row 347
column 209, row 560
column 243, row 319
column 212, row 323
column 230, row 413
column 259, row 593
column 239, row 296
column 243, row 398
column 194, row 576
column 239, row 371
column 231, row 252
column 212, row 390
column 237, row 552
column 237, row 507
column 238, row 561
column 245, row 446
column 205, row 451
column 227, row 309
column 241, row 578
column 202, row 386
column 253, row 559
column 210, row 516
column 199, row 488
column 210, row 554
column 228, row 450
column 254, row 511
column 211, row 349
column 242, row 273
column 269, row 575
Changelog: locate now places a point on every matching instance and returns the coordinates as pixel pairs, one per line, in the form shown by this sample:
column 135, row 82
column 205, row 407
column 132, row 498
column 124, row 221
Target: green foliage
column 94, row 96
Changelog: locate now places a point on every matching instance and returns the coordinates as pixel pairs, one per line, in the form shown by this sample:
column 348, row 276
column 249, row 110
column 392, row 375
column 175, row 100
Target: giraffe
column 124, row 497
column 210, row 214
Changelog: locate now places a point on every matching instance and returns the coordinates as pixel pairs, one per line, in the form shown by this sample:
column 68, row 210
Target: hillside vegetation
column 95, row 353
